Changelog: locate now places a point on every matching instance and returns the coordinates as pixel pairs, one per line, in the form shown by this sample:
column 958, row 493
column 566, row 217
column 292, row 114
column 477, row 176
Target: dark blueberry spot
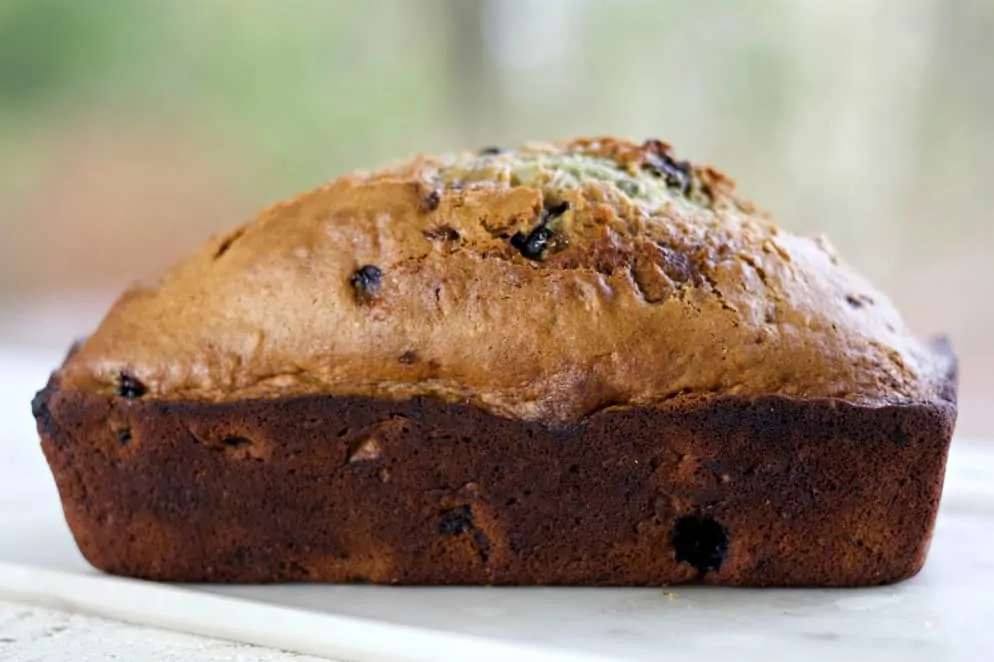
column 124, row 436
column 858, row 300
column 431, row 200
column 129, row 387
column 554, row 210
column 706, row 193
column 490, row 151
column 442, row 233
column 900, row 437
column 408, row 357
column 42, row 414
column 676, row 173
column 532, row 245
column 237, row 442
column 366, row 282
column 39, row 404
column 456, row 521
column 701, row 542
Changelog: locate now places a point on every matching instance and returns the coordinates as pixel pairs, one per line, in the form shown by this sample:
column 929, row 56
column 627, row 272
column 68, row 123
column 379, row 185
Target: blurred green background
column 132, row 129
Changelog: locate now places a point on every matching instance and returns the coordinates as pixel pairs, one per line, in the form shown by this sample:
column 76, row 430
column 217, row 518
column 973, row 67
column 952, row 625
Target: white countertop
column 29, row 634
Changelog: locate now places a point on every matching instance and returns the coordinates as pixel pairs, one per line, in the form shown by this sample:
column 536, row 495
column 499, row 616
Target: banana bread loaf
column 573, row 363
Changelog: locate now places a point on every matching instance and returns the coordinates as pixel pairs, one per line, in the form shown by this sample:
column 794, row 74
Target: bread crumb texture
column 542, row 283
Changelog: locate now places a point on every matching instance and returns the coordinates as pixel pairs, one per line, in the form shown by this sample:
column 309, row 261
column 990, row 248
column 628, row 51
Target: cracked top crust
column 540, row 283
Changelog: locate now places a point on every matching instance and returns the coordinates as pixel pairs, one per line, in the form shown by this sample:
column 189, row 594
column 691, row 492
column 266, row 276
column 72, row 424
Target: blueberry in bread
column 575, row 363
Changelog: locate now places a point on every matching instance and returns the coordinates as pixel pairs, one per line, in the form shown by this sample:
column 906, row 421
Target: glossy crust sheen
column 772, row 491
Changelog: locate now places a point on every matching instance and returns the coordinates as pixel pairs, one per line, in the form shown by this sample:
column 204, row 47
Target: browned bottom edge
column 767, row 492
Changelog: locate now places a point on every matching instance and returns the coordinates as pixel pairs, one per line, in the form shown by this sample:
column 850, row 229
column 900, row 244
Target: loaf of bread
column 574, row 363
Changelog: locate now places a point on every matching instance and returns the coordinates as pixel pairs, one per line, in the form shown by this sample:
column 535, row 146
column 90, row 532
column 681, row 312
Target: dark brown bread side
column 769, row 491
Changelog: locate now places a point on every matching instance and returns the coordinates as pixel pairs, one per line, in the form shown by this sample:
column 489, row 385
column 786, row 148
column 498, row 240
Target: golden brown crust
column 655, row 283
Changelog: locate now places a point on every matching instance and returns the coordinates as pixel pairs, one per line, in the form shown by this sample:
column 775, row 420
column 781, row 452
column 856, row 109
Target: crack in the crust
column 625, row 259
column 642, row 291
column 719, row 295
column 771, row 314
column 760, row 271
column 442, row 233
column 228, row 242
column 604, row 406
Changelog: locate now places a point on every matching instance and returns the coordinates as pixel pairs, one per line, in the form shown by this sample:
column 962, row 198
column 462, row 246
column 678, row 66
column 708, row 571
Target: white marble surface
column 944, row 613
column 31, row 634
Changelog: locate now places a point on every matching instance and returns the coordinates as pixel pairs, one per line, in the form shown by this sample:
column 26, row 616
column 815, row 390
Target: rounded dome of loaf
column 545, row 282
